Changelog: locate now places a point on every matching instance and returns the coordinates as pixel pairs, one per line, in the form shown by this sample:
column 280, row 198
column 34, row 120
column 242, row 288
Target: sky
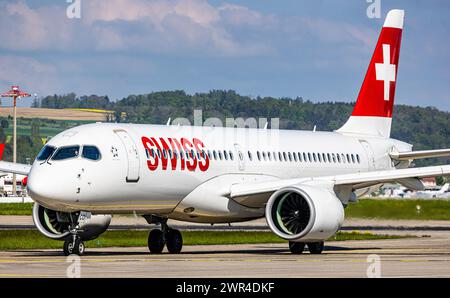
column 317, row 49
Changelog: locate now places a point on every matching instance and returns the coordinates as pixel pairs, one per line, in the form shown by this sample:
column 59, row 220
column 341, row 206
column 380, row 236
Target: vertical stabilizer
column 372, row 114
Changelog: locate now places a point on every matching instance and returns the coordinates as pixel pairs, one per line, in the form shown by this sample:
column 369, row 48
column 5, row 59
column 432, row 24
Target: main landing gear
column 166, row 236
column 313, row 247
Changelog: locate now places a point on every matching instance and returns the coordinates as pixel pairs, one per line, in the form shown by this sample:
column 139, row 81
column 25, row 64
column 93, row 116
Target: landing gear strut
column 166, row 236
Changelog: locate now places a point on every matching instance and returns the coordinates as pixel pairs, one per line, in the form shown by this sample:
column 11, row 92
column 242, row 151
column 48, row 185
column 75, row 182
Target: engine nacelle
column 302, row 213
column 55, row 224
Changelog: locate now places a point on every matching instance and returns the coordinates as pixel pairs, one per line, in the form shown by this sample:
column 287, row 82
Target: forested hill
column 426, row 128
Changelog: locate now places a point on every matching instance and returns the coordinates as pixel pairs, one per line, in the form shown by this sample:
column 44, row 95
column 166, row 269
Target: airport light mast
column 15, row 93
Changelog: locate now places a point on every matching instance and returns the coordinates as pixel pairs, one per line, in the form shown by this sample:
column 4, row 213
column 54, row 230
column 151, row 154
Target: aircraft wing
column 15, row 168
column 256, row 193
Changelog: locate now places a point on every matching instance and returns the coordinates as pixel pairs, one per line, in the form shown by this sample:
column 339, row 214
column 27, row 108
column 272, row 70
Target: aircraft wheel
column 156, row 241
column 296, row 247
column 316, row 247
column 68, row 246
column 79, row 247
column 73, row 248
column 174, row 241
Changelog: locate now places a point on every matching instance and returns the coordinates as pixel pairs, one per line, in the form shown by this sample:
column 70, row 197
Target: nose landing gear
column 73, row 244
column 166, row 236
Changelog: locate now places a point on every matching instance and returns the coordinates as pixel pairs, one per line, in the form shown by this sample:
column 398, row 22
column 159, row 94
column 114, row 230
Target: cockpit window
column 66, row 152
column 91, row 152
column 45, row 153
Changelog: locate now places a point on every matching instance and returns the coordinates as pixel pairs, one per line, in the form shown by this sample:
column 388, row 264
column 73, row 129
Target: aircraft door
column 239, row 157
column 132, row 155
column 369, row 153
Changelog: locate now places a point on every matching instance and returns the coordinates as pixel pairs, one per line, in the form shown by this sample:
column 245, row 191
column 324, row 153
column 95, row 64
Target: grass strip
column 32, row 239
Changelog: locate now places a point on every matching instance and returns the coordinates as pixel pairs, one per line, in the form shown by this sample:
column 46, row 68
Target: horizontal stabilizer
column 419, row 154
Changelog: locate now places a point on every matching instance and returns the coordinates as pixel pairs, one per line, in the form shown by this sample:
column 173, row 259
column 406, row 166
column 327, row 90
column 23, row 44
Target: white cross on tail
column 385, row 71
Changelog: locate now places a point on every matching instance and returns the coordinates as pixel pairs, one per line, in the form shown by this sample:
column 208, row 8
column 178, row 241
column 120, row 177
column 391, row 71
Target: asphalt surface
column 425, row 255
column 411, row 257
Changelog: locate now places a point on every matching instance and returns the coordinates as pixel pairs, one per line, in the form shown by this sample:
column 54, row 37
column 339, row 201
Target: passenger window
column 215, row 154
column 225, row 154
column 231, row 155
column 250, row 155
column 220, row 155
column 290, row 156
column 45, row 153
column 92, row 152
column 274, row 156
column 259, row 155
column 264, row 155
column 280, row 156
column 357, row 158
column 66, row 152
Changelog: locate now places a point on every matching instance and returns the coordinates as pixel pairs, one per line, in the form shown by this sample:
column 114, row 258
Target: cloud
column 186, row 27
column 19, row 70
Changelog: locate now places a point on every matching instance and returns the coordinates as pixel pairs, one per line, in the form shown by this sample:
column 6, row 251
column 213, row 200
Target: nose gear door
column 132, row 155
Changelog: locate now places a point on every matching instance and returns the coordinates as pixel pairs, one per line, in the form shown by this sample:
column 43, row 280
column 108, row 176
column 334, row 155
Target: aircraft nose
column 43, row 189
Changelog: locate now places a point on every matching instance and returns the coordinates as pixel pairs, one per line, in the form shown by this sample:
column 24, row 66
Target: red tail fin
column 2, row 148
column 376, row 97
column 373, row 110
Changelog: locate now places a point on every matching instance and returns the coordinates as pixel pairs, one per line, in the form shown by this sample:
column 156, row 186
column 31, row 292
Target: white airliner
column 300, row 181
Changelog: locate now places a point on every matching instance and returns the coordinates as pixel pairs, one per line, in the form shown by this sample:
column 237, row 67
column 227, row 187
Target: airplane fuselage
column 154, row 169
